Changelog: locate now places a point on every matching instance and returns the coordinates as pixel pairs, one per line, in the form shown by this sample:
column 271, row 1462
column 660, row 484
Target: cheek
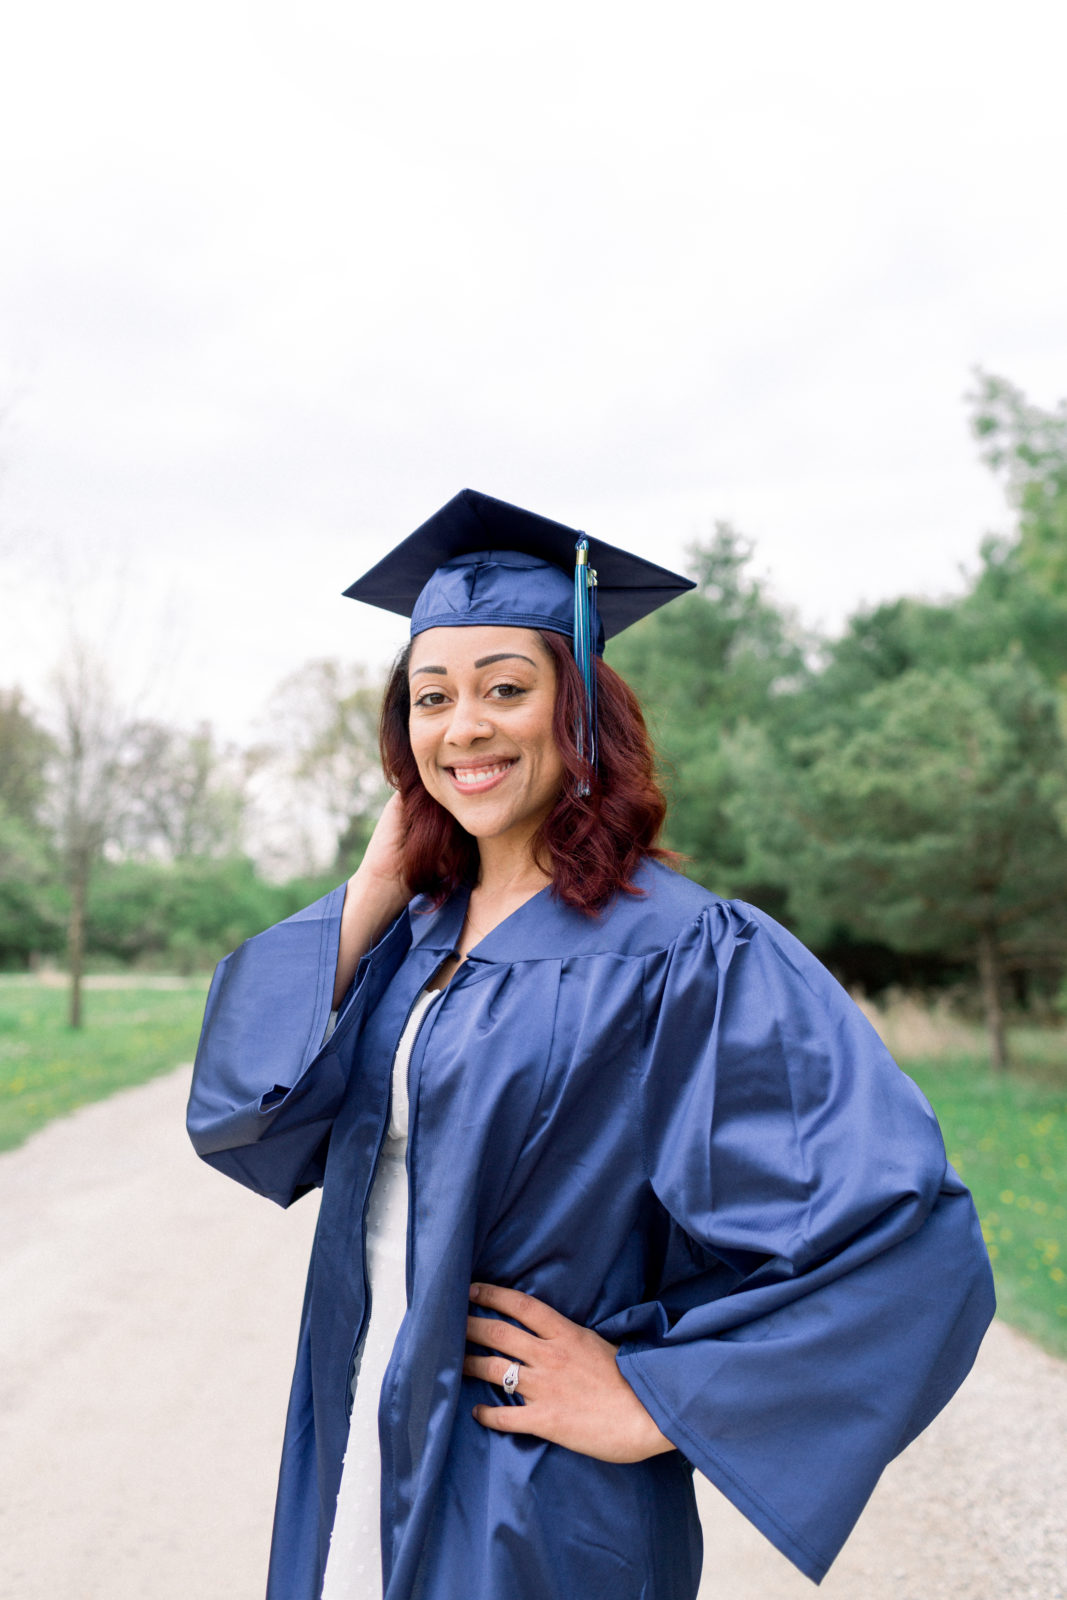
column 556, row 771
column 551, row 762
column 421, row 748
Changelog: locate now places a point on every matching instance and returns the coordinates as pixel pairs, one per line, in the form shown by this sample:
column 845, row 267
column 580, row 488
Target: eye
column 431, row 699
column 507, row 691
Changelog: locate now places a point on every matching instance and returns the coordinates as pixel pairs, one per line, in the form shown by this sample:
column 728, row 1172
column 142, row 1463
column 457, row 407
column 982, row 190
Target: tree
column 1017, row 600
column 878, row 645
column 934, row 821
column 711, row 662
column 30, row 918
column 1028, row 446
column 185, row 798
column 86, row 791
column 1008, row 608
column 25, row 747
column 185, row 913
column 27, row 916
column 319, row 770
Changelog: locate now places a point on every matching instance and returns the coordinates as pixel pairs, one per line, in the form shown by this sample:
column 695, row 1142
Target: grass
column 47, row 1068
column 1006, row 1135
column 1007, row 1138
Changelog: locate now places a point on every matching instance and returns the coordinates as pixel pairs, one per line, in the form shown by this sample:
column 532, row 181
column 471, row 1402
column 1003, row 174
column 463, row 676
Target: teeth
column 473, row 775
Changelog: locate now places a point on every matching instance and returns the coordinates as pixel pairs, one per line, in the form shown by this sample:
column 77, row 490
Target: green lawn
column 1006, row 1136
column 47, row 1068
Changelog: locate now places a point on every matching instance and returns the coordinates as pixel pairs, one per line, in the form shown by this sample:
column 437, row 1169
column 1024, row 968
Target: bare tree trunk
column 79, row 891
column 90, row 785
column 989, row 971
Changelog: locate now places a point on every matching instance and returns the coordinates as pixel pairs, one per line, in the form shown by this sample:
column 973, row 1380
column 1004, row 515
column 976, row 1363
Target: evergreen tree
column 933, row 820
column 714, row 660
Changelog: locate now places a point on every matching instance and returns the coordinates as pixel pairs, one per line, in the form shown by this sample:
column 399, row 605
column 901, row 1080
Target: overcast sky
column 276, row 281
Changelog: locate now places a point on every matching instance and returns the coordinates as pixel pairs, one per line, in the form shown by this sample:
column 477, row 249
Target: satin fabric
column 671, row 1124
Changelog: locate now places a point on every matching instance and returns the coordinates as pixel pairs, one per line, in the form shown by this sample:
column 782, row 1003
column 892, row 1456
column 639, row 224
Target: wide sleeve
column 267, row 1083
column 826, row 1288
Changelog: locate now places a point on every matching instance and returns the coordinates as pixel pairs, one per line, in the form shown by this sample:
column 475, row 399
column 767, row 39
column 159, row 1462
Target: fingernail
column 476, row 1289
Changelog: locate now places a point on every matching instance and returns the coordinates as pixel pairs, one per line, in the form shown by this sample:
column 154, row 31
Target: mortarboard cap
column 481, row 560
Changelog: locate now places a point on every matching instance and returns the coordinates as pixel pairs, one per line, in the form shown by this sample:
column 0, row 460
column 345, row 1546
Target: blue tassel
column 585, row 634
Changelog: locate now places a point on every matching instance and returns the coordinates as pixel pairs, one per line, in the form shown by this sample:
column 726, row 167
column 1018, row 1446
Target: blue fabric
column 502, row 588
column 670, row 1123
column 504, row 536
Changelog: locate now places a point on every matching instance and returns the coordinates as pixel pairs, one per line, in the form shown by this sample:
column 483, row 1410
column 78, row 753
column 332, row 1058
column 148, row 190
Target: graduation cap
column 482, row 561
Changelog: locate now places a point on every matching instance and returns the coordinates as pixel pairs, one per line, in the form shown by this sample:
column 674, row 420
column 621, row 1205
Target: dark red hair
column 591, row 845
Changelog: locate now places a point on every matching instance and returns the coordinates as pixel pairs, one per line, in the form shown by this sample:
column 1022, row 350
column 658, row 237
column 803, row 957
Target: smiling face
column 482, row 701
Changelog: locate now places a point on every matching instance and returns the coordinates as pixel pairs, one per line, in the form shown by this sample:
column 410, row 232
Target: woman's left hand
column 573, row 1391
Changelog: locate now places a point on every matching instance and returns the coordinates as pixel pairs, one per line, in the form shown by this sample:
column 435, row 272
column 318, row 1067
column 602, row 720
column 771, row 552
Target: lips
column 472, row 779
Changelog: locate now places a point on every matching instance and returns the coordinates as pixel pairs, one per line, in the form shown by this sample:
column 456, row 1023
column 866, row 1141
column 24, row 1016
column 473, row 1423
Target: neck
column 508, row 868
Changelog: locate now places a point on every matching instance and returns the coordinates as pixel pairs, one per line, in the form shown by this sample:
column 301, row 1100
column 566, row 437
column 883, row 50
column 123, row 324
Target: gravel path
column 148, row 1313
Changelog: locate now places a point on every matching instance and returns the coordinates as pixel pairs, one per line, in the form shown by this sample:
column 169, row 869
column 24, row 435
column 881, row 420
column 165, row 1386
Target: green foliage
column 880, row 645
column 702, row 667
column 911, row 790
column 181, row 915
column 903, row 786
column 931, row 813
column 47, row 1068
column 31, row 912
column 1028, row 447
column 1009, row 610
column 1003, row 614
column 353, row 842
column 30, row 915
column 25, row 748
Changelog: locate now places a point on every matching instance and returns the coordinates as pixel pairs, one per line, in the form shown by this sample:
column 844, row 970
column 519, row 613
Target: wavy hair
column 591, row 845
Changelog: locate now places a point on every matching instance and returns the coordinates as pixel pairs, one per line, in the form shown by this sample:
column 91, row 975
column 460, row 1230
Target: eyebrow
column 484, row 661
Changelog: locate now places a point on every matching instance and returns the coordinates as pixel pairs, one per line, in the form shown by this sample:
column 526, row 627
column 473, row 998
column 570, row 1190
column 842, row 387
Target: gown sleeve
column 826, row 1285
column 267, row 1082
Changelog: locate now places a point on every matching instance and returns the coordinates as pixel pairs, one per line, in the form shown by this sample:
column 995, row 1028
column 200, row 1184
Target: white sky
column 276, row 281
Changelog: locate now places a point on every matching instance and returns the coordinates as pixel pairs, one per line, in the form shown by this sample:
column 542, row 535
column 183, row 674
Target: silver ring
column 511, row 1378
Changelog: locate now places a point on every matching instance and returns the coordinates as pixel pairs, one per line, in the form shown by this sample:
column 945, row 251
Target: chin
column 481, row 826
column 485, row 822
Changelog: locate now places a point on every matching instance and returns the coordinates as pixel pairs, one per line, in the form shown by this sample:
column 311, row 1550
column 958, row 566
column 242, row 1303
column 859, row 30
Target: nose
column 468, row 722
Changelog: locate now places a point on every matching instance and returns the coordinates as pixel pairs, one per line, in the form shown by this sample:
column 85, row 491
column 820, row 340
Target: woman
column 669, row 1203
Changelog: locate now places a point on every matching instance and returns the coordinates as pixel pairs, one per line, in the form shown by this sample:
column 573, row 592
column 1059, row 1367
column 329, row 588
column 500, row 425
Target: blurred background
column 774, row 294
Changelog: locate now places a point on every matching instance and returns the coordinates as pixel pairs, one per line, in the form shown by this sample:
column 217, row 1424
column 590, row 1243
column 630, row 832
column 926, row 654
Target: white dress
column 354, row 1563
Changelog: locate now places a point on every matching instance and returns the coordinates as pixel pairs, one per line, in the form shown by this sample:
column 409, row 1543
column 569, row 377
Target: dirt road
column 148, row 1313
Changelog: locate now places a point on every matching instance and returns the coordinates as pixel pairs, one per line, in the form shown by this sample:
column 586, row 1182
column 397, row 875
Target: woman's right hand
column 382, row 864
column 376, row 894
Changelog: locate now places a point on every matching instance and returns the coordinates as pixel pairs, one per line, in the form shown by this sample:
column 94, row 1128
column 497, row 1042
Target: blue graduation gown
column 671, row 1124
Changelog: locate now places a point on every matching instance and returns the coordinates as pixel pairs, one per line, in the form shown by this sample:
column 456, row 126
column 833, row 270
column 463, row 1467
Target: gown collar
column 543, row 927
column 523, row 935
